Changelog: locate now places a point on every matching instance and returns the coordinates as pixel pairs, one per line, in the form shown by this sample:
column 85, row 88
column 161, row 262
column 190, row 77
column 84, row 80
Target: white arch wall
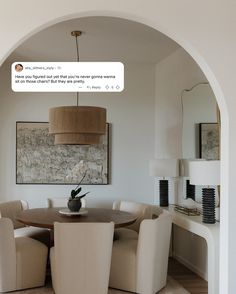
column 205, row 29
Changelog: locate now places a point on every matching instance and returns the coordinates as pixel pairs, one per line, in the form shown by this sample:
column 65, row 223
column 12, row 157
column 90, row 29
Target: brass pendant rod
column 76, row 34
column 77, row 51
column 77, row 48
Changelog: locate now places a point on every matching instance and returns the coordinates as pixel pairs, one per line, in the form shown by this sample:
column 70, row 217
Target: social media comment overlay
column 67, row 76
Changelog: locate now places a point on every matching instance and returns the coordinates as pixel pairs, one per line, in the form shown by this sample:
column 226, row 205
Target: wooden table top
column 45, row 217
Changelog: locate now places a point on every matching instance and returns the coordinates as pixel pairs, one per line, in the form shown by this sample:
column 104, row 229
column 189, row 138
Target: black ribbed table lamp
column 206, row 173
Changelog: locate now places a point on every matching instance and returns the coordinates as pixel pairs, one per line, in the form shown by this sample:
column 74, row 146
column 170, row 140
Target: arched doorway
column 170, row 31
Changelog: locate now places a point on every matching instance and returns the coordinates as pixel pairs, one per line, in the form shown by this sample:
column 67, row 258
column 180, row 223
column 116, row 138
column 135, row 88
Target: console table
column 210, row 232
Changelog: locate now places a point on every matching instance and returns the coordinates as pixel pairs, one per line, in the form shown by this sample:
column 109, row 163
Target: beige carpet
column 172, row 287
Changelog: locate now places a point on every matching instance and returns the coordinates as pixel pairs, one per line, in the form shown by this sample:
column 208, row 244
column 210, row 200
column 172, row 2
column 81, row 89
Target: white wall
column 174, row 74
column 131, row 114
column 206, row 31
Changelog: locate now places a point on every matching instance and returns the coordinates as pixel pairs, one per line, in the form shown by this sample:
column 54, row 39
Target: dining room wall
column 131, row 115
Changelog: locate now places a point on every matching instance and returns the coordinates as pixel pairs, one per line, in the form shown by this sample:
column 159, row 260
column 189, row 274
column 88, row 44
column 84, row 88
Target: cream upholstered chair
column 140, row 265
column 81, row 258
column 22, row 260
column 61, row 202
column 10, row 209
column 141, row 210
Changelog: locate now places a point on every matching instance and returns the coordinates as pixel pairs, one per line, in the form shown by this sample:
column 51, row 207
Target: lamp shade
column 205, row 172
column 164, row 167
column 184, row 165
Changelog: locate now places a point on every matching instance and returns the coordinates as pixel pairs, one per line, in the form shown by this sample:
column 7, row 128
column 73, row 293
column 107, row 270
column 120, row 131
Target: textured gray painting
column 39, row 161
column 209, row 141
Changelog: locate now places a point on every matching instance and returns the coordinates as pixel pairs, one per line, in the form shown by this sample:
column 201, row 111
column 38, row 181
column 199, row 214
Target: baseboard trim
column 190, row 266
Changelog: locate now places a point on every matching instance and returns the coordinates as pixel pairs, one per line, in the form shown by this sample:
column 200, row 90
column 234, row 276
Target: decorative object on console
column 77, row 125
column 164, row 168
column 206, row 173
column 39, row 161
column 189, row 207
column 187, row 211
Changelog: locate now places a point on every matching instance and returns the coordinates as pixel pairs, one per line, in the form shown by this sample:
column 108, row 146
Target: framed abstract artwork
column 209, row 141
column 39, row 161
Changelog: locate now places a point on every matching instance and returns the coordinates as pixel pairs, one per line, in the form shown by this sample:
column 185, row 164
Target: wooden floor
column 189, row 280
column 180, row 281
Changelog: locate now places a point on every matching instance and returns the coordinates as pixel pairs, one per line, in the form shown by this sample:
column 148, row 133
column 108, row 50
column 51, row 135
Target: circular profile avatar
column 19, row 67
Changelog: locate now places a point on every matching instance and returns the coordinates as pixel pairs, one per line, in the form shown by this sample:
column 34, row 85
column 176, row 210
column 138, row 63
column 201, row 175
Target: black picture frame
column 209, row 141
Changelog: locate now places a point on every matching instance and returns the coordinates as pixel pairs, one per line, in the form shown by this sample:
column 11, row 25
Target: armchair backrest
column 11, row 208
column 7, row 255
column 82, row 256
column 141, row 210
column 153, row 252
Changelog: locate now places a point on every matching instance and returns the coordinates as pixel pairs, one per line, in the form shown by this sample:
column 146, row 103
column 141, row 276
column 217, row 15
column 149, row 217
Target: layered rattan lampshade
column 77, row 125
column 74, row 125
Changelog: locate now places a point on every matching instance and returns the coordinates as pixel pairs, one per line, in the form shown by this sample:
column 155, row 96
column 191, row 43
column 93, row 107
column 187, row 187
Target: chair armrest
column 7, row 256
column 152, row 253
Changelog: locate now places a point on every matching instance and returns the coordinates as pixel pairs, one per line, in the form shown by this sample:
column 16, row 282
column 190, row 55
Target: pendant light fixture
column 77, row 125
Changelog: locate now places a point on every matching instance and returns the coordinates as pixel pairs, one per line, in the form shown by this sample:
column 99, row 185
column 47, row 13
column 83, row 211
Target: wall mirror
column 200, row 137
column 199, row 107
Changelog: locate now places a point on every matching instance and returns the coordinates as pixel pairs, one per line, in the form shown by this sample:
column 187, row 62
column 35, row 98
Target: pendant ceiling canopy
column 77, row 125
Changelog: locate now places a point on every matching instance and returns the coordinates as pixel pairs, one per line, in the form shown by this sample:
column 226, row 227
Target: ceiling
column 103, row 39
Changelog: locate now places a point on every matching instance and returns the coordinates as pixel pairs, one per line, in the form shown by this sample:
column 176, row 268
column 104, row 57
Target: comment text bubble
column 67, row 76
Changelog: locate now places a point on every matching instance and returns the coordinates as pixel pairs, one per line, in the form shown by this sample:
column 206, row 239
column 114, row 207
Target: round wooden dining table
column 45, row 217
